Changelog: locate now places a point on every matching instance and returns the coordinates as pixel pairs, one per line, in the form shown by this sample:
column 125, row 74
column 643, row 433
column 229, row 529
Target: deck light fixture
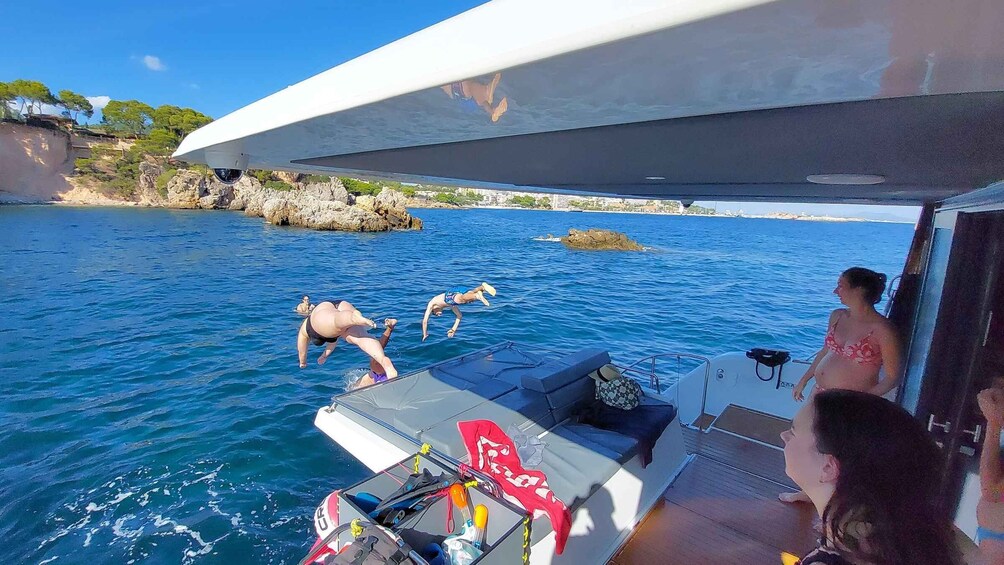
column 845, row 179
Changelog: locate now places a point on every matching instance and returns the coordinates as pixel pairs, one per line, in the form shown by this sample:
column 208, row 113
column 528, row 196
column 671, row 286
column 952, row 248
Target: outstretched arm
column 456, row 323
column 990, row 402
column 327, row 351
column 425, row 321
column 302, row 340
column 385, row 337
column 796, row 392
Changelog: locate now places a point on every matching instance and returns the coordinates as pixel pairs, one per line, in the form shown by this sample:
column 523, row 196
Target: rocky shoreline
column 38, row 166
column 319, row 205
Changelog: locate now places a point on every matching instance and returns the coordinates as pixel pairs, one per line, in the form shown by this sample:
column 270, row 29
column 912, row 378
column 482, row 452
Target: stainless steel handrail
column 654, row 376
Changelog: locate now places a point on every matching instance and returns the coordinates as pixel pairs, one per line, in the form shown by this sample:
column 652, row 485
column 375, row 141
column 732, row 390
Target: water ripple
column 152, row 404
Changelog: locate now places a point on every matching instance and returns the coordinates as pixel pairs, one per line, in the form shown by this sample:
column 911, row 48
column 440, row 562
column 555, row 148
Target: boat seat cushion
column 620, row 446
column 489, row 389
column 561, row 372
column 578, row 461
column 645, row 423
column 503, row 364
column 525, row 409
column 571, row 398
column 414, row 403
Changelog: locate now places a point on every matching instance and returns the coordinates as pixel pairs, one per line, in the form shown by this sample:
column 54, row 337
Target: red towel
column 493, row 452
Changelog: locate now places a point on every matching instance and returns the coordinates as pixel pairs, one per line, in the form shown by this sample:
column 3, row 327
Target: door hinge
column 931, row 424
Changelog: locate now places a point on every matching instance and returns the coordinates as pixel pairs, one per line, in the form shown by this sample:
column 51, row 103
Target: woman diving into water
column 335, row 319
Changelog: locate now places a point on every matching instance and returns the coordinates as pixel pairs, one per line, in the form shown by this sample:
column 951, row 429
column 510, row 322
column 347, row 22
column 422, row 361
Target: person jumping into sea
column 451, row 299
column 377, row 373
column 335, row 319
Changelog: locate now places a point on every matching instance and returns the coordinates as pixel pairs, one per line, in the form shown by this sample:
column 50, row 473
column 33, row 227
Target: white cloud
column 99, row 102
column 153, row 63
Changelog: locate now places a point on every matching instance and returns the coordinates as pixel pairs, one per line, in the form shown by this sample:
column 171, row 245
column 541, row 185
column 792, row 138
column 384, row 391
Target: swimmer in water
column 304, row 307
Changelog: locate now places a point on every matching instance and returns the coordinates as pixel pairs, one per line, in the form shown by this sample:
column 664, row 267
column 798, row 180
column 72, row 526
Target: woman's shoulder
column 839, row 312
column 885, row 326
column 824, row 556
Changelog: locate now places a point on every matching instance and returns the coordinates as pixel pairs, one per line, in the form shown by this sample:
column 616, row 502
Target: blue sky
column 217, row 56
column 214, row 56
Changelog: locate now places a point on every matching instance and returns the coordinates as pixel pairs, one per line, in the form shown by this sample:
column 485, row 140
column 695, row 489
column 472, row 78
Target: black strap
column 769, row 358
column 363, row 548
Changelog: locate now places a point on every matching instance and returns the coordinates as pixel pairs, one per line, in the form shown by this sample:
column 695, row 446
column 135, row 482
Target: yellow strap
column 526, row 540
column 424, row 450
column 471, row 484
column 356, row 528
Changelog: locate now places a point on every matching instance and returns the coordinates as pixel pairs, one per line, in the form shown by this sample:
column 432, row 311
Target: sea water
column 152, row 405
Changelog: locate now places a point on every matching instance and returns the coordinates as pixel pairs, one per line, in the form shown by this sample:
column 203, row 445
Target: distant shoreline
column 832, row 219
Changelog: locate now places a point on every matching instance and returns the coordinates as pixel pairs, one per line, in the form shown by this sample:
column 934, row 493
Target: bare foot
column 500, row 109
column 481, row 297
column 492, row 86
column 389, row 323
column 793, row 497
column 359, row 320
column 491, row 289
column 322, row 358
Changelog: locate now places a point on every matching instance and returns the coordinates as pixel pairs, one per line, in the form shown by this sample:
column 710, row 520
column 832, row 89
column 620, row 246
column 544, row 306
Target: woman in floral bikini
column 859, row 343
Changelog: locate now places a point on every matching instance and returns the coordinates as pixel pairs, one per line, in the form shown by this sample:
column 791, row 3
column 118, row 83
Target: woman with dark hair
column 873, row 474
column 859, row 341
column 858, row 344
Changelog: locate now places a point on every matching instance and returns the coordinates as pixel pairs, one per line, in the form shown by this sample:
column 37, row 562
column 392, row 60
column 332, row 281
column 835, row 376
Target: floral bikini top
column 865, row 352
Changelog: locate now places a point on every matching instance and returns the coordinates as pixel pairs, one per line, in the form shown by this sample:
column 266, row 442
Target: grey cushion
column 570, row 398
column 575, row 468
column 561, row 372
column 524, row 409
column 414, row 403
column 622, row 447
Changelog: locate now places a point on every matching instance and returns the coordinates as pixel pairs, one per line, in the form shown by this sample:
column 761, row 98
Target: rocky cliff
column 34, row 163
column 37, row 164
column 319, row 205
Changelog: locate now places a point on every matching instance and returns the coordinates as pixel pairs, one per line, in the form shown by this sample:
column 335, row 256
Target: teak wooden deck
column 723, row 508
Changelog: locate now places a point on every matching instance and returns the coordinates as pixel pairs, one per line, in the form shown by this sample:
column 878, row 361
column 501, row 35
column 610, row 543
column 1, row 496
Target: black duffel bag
column 772, row 358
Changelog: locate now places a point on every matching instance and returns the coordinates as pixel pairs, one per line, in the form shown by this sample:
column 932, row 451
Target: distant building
column 50, row 121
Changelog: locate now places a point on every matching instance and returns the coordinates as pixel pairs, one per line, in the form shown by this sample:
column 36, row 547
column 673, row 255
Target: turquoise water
column 150, row 397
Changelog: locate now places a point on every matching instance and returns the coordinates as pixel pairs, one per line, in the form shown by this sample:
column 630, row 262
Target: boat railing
column 647, row 368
